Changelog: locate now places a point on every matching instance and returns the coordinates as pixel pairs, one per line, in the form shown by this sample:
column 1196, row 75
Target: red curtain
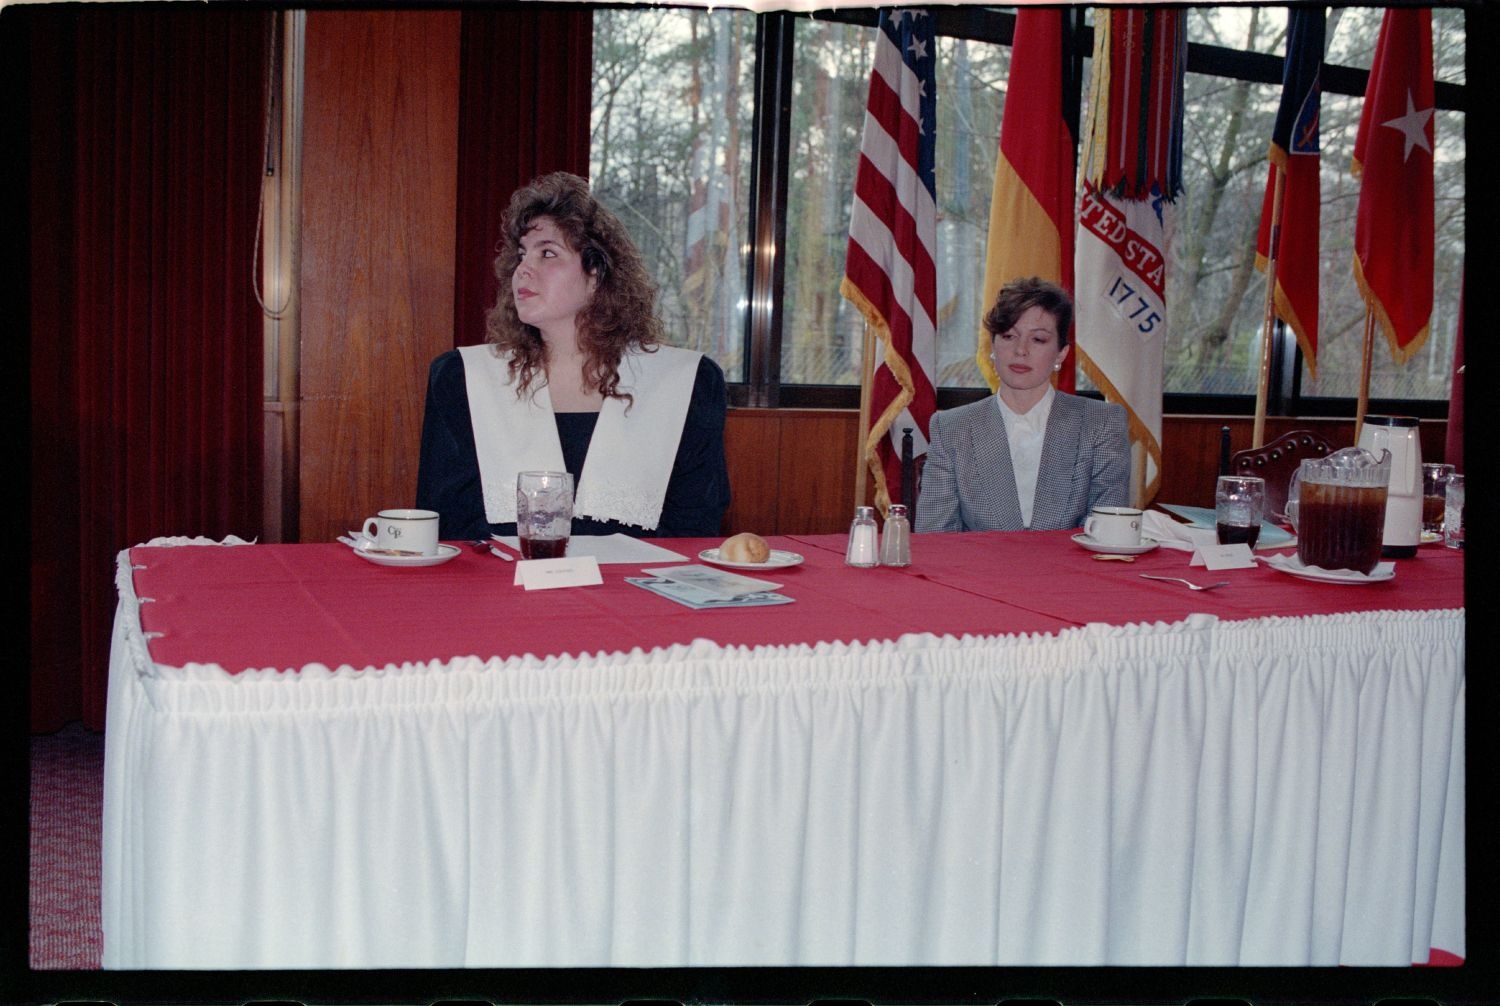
column 523, row 111
column 146, row 129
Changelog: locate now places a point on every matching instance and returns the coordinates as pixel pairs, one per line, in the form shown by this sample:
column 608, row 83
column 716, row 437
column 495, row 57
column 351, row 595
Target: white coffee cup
column 404, row 530
column 1119, row 526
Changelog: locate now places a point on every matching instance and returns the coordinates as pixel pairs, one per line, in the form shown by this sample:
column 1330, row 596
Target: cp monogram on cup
column 1119, row 526
column 414, row 532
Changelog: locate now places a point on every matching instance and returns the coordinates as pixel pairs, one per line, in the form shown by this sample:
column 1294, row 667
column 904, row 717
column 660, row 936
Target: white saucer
column 1431, row 537
column 1146, row 545
column 1293, row 564
column 444, row 553
column 776, row 560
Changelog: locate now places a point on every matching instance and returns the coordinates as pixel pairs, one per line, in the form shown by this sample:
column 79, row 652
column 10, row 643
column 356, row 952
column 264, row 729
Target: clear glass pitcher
column 1339, row 511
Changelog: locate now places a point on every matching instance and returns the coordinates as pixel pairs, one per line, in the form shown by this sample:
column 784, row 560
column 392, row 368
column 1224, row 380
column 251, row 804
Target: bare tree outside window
column 673, row 104
column 670, row 154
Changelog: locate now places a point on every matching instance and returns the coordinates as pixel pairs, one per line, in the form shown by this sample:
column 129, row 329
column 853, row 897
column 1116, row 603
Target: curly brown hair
column 621, row 313
column 1021, row 295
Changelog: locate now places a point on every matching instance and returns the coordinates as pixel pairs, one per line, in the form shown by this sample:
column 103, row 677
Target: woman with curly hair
column 573, row 377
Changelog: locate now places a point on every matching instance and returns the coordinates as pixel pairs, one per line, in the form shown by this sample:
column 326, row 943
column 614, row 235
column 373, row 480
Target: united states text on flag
column 1031, row 207
column 1393, row 228
column 1131, row 168
column 1294, row 154
column 889, row 271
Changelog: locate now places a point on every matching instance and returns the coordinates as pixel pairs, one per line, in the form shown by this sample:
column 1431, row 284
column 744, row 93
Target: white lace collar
column 630, row 457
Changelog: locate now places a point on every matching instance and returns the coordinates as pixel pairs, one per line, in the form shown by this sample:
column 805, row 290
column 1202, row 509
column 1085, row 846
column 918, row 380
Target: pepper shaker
column 861, row 551
column 895, row 539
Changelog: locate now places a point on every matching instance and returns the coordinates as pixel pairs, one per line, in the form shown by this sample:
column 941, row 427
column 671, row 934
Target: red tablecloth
column 286, row 606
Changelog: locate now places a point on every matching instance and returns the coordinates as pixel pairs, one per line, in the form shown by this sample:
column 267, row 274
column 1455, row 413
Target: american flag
column 889, row 271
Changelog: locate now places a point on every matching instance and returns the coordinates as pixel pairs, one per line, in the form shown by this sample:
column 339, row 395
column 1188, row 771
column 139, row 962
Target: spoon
column 1187, row 583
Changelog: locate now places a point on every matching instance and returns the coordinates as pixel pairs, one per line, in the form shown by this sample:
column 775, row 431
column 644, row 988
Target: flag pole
column 866, row 380
column 1364, row 373
column 1263, row 386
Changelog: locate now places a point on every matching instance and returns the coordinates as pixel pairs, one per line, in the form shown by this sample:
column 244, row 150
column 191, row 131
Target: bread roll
column 745, row 547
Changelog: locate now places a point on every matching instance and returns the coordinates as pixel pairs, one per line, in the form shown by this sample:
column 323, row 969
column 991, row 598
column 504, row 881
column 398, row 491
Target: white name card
column 1224, row 557
column 569, row 571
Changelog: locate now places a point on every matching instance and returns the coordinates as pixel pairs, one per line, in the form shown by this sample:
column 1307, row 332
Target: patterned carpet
column 67, row 801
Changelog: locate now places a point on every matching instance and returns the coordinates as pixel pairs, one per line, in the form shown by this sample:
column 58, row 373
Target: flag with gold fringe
column 890, row 273
column 1031, row 207
column 1393, row 229
column 1294, row 157
column 1131, row 169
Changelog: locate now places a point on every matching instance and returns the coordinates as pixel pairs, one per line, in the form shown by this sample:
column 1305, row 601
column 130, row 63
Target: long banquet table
column 1007, row 753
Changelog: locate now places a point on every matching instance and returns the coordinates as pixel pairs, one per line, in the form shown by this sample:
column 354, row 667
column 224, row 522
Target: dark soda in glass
column 1432, row 513
column 544, row 548
column 1235, row 534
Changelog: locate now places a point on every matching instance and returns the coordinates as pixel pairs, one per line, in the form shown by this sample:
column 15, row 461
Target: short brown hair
column 621, row 313
column 1021, row 295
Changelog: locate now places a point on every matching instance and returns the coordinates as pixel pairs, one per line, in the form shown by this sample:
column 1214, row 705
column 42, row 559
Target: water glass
column 1239, row 504
column 1434, row 481
column 1453, row 512
column 544, row 513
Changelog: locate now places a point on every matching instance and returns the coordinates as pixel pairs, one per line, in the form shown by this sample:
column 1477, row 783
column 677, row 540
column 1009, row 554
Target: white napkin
column 1172, row 534
column 357, row 539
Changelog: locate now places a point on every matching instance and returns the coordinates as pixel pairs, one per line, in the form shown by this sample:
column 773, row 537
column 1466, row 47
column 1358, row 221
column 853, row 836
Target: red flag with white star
column 1393, row 158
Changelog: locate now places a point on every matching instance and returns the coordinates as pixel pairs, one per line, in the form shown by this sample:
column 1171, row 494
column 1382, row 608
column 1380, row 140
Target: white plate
column 1146, row 545
column 444, row 553
column 776, row 560
column 1293, row 564
column 1431, row 537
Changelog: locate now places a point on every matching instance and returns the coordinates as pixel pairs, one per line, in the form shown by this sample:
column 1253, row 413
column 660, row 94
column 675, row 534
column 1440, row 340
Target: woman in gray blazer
column 1030, row 457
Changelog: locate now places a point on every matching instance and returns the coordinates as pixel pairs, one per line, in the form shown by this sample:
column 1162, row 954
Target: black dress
column 448, row 474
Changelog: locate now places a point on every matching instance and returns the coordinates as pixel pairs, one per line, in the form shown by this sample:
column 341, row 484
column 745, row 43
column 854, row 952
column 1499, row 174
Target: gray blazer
column 968, row 483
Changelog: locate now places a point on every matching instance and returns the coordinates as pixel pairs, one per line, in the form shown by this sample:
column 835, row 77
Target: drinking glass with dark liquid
column 544, row 513
column 1341, row 509
column 1239, row 503
column 1434, row 496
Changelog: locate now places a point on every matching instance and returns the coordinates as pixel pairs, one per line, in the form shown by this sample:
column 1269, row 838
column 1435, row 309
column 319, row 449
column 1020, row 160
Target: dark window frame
column 765, row 271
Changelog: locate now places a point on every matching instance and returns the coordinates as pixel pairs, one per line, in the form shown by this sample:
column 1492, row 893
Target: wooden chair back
column 1276, row 461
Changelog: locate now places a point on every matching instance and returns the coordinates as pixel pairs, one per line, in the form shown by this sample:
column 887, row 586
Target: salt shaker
column 895, row 539
column 861, row 551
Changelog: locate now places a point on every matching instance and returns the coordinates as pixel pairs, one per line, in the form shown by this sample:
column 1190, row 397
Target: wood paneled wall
column 380, row 148
column 790, row 470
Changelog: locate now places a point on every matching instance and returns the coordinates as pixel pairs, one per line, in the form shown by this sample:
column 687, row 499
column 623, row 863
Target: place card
column 1237, row 556
column 568, row 571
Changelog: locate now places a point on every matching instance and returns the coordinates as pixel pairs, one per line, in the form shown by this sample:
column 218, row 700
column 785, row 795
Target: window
column 670, row 155
column 822, row 333
column 1216, row 298
column 675, row 138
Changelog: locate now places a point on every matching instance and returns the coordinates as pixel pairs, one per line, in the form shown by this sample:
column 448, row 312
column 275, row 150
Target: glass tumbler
column 1239, row 503
column 1453, row 512
column 544, row 514
column 1434, row 491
